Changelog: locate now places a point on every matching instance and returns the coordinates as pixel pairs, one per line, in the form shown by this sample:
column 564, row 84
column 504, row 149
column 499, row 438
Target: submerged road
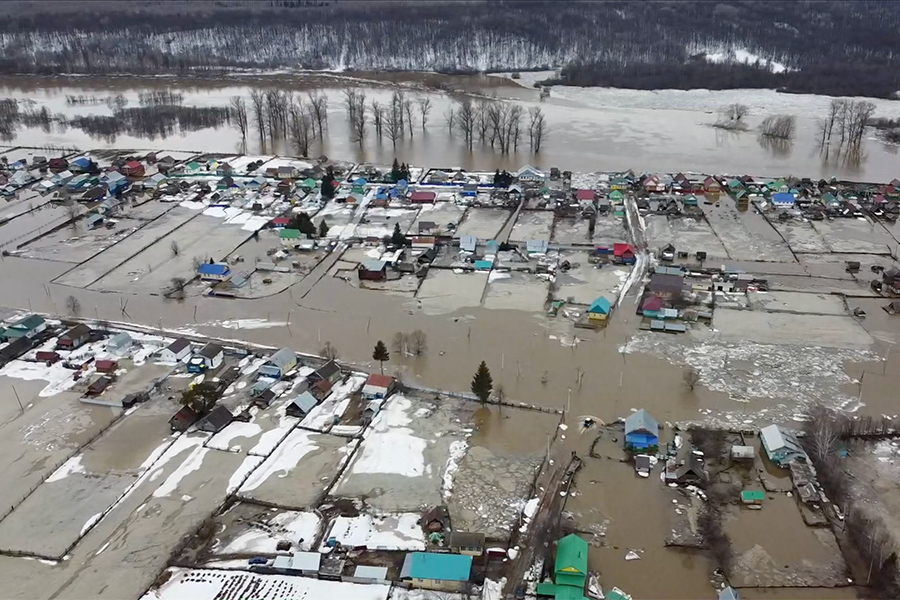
column 635, row 226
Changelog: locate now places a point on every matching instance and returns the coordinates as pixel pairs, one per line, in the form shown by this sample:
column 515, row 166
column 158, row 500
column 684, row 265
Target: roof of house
column 211, row 350
column 289, row 234
column 538, row 246
column 783, row 198
column 105, row 363
column 369, row 572
column 328, row 369
column 378, row 380
column 213, row 269
column 652, row 303
column 585, row 194
column 621, row 249
column 217, row 419
column 528, row 169
column 753, row 495
column 29, row 322
column 185, row 414
column 601, row 305
column 468, row 242
column 775, row 438
column 305, row 402
column 463, row 539
column 729, row 593
column 572, row 555
column 282, row 358
column 76, row 332
column 373, row 265
column 422, row 196
column 641, row 420
column 442, row 567
column 178, row 345
column 663, row 282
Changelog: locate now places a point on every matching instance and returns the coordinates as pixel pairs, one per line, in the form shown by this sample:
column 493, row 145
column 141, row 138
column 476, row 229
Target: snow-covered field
column 300, row 528
column 378, row 532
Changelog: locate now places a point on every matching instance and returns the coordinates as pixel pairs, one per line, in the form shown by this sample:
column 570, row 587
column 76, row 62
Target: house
column 28, row 327
column 133, row 168
column 119, row 342
column 624, row 253
column 652, row 307
column 440, row 572
column 175, row 352
column 666, row 285
column 321, row 389
column 529, row 174
column 46, row 356
column 210, row 356
column 690, row 200
column 106, row 366
column 225, row 183
column 115, row 182
column 600, row 309
column 286, row 172
column 419, row 197
column 427, row 226
column 570, row 570
column 743, row 452
column 712, row 187
column 80, row 165
column 753, row 497
column 329, row 372
column 537, row 246
column 165, row 163
column 378, row 386
column 468, row 243
column 223, row 169
column 435, row 520
column 58, row 164
column 299, row 563
column 469, row 544
column 587, row 195
column 729, row 593
column 301, row 405
column 372, row 270
column 98, row 386
column 290, row 237
column 15, row 349
column 75, row 337
column 184, row 418
column 278, row 364
column 686, row 468
column 641, row 431
column 217, row 420
column 783, row 200
column 214, row 272
column 781, row 446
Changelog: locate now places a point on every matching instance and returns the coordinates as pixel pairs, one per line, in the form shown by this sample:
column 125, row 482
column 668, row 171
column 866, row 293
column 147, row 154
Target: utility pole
column 19, row 400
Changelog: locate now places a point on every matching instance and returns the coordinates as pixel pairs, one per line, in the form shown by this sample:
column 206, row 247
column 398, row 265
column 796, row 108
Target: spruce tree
column 482, row 383
column 381, row 354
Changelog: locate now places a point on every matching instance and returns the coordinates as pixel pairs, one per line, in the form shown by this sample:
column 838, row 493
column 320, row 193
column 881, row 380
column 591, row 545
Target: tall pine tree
column 482, row 383
column 381, row 354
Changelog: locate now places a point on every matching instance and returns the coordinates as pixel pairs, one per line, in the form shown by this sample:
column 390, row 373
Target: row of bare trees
column 846, row 122
column 279, row 114
column 394, row 120
column 502, row 125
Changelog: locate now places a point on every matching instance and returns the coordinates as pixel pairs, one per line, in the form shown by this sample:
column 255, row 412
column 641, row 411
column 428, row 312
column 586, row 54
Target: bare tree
column 731, row 117
column 692, row 378
column 399, row 98
column 329, row 352
column 514, row 127
column 400, row 343
column 779, row 127
column 537, row 128
column 826, row 126
column 73, row 305
column 450, row 119
column 238, row 112
column 465, row 118
column 356, row 114
column 424, row 103
column 393, row 122
column 303, row 127
column 258, row 108
column 176, row 288
column 318, row 103
column 175, row 249
column 408, row 112
column 378, row 118
column 418, row 342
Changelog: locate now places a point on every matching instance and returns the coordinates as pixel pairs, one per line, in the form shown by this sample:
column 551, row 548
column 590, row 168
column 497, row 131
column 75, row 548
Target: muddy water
column 590, row 128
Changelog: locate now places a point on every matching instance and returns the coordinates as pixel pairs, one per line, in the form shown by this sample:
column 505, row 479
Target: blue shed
column 483, row 265
column 641, row 431
column 599, row 309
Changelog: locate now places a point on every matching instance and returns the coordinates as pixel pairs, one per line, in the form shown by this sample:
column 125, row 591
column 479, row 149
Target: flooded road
column 589, row 128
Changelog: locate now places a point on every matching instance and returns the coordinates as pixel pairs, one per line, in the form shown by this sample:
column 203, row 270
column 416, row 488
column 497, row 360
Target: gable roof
column 378, row 380
column 28, row 323
column 572, row 555
column 178, row 345
column 600, row 305
column 282, row 358
column 305, row 402
column 210, row 350
column 216, row 420
column 213, row 269
column 665, row 282
column 641, row 420
column 441, row 567
column 76, row 332
column 620, row 249
column 652, row 303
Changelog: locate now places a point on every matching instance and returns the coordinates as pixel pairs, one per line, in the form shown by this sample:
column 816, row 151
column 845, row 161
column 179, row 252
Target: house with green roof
column 753, row 496
column 570, row 571
column 290, row 237
column 28, row 327
column 617, row 196
column 437, row 571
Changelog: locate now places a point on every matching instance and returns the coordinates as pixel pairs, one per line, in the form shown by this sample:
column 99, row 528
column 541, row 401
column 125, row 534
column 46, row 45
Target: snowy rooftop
column 390, row 532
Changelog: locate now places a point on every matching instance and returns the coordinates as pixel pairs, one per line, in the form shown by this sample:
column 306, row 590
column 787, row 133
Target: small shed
column 469, row 544
column 217, row 420
column 212, row 355
column 46, row 356
column 301, row 405
column 743, row 452
column 75, row 337
column 468, row 243
column 119, row 343
column 99, row 386
column 422, row 197
column 183, row 419
column 754, row 497
column 537, row 246
column 106, row 366
column 600, row 309
column 729, row 593
column 368, row 574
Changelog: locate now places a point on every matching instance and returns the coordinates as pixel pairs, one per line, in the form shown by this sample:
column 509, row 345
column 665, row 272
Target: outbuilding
column 212, row 355
column 278, row 364
column 75, row 337
column 378, row 386
column 175, row 352
column 184, row 418
column 119, row 343
column 372, row 270
column 301, row 405
column 106, row 366
column 217, row 420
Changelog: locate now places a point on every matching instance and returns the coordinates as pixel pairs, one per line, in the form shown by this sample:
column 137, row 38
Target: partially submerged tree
column 424, row 108
column 323, row 229
column 238, row 112
column 73, row 305
column 537, row 128
column 779, row 127
column 731, row 117
column 692, row 378
column 418, row 342
column 400, row 343
column 176, row 288
column 328, row 351
column 482, row 382
column 200, row 398
column 381, row 354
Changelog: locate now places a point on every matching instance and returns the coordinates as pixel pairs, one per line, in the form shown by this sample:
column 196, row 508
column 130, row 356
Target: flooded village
column 233, row 376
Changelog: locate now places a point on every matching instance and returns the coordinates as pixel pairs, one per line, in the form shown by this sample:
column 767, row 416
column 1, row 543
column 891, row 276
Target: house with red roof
column 623, row 254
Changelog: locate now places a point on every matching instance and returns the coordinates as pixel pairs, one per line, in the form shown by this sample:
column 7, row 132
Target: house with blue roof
column 641, row 432
column 783, row 199
column 600, row 309
column 214, row 272
column 433, row 571
column 80, row 165
column 115, row 182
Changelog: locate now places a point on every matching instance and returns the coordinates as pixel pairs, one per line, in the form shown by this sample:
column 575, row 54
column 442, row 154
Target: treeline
column 841, row 47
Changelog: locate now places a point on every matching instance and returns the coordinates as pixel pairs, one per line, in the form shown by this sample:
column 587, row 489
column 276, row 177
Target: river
column 589, row 128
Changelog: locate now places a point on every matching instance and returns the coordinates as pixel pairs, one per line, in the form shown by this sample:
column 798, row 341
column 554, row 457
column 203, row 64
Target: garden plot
column 585, row 282
column 747, row 235
column 445, row 291
column 484, row 223
column 400, row 463
column 609, row 230
column 28, row 225
column 445, row 216
column 152, row 269
column 77, row 243
column 380, row 222
column 572, row 231
column 329, row 411
column 516, row 291
column 796, row 302
column 392, row 532
column 532, row 225
column 249, row 530
column 337, row 216
column 201, row 584
column 855, row 235
column 686, row 234
column 298, row 470
column 800, row 329
column 801, row 236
